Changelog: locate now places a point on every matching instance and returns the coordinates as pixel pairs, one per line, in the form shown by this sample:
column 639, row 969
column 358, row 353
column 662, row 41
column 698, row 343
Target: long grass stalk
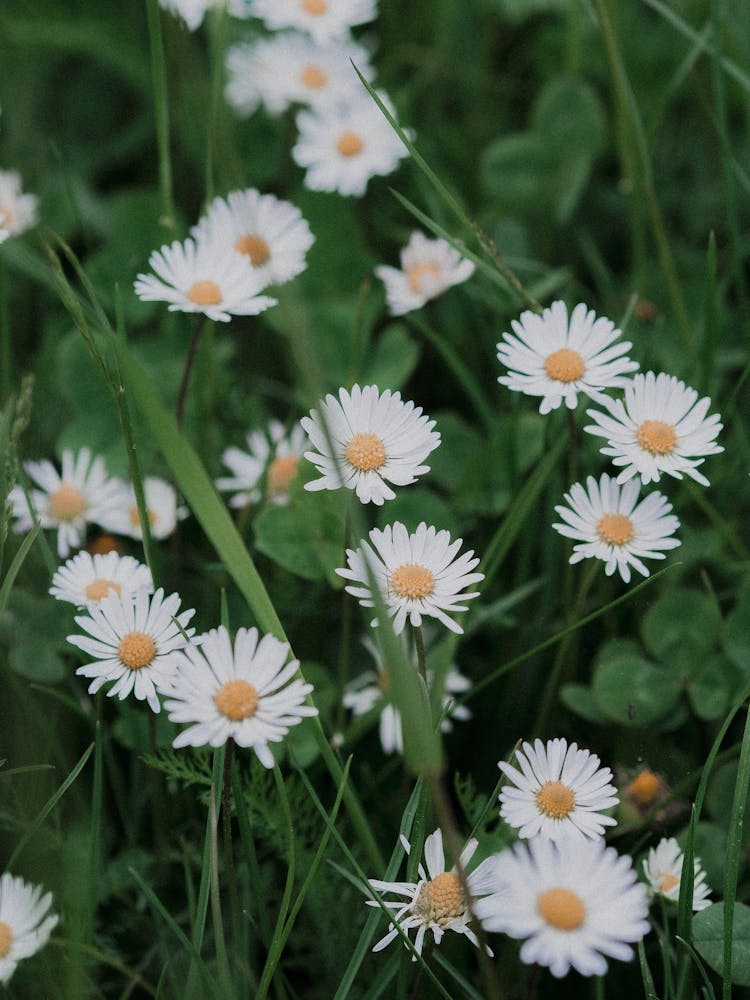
column 161, row 112
column 734, row 857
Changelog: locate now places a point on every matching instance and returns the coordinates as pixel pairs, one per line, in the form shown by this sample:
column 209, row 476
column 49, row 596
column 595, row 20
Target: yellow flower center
column 237, row 700
column 6, row 939
column 644, row 787
column 135, row 517
column 315, row 7
column 136, row 650
column 350, row 144
column 665, row 881
column 565, row 365
column 365, row 452
column 555, row 799
column 280, row 473
column 98, row 589
column 204, row 293
column 384, row 679
column 615, row 529
column 562, row 909
column 66, row 503
column 440, row 900
column 413, row 581
column 103, row 544
column 416, row 275
column 657, row 437
column 254, row 247
column 313, row 77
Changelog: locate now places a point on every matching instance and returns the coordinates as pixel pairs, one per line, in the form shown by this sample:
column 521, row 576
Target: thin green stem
column 226, row 809
column 419, row 644
column 186, row 371
column 222, row 960
column 346, row 630
column 734, row 857
column 161, row 112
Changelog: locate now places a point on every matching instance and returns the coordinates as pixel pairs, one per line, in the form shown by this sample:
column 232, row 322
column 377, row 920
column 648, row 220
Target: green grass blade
column 734, row 856
column 248, row 846
column 707, row 984
column 161, row 112
column 648, row 980
column 16, row 564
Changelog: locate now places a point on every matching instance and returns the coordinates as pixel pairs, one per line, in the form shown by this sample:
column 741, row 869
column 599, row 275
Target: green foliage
column 708, row 934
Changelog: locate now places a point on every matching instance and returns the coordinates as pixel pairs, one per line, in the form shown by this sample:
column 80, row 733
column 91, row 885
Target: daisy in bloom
column 85, row 579
column 559, row 792
column 557, row 357
column 271, row 234
column 25, row 922
column 343, row 145
column 245, row 691
column 323, row 19
column 428, row 268
column 366, row 439
column 209, row 277
column 79, row 494
column 610, row 525
column 192, row 12
column 18, row 211
column 134, row 642
column 274, row 454
column 661, row 427
column 417, row 575
column 161, row 504
column 436, row 902
column 663, row 870
column 573, row 904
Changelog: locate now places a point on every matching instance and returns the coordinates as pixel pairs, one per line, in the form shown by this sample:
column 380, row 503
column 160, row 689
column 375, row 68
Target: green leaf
column 306, row 537
column 570, row 117
column 518, row 171
column 708, row 937
column 413, row 504
column 683, row 619
column 712, row 686
column 737, row 630
column 36, row 660
column 393, row 358
column 630, row 689
column 580, row 700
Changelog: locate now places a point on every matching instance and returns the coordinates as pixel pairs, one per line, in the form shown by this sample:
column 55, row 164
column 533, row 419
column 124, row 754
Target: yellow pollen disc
column 615, row 529
column 204, row 293
column 644, row 787
column 6, row 218
column 280, row 473
column 66, row 503
column 555, row 799
column 6, row 939
column 666, row 881
column 349, row 144
column 440, row 900
column 384, row 680
column 254, row 247
column 565, row 365
column 313, row 77
column 100, row 588
column 365, row 452
column 562, row 909
column 135, row 517
column 315, row 7
column 413, row 581
column 415, row 275
column 657, row 437
column 136, row 650
column 103, row 544
column 237, row 700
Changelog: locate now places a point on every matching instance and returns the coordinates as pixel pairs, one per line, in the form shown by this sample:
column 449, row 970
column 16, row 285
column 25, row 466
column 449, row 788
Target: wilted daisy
column 244, row 691
column 209, row 277
column 343, row 145
column 428, row 268
column 323, row 19
column 661, row 427
column 85, row 579
column 192, row 12
column 275, row 454
column 134, row 642
column 17, row 210
column 366, row 439
column 613, row 527
column 556, row 358
column 25, row 922
column 162, row 508
column 663, row 870
column 436, row 902
column 559, row 792
column 417, row 574
column 81, row 493
column 271, row 234
column 573, row 904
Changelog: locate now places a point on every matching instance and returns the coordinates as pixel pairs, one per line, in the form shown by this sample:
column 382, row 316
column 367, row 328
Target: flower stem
column 234, row 901
column 192, row 349
column 346, row 629
column 421, row 656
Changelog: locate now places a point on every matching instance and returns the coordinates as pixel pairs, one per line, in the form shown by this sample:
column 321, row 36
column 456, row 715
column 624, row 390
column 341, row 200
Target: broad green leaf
column 681, row 618
column 712, row 686
column 708, row 937
column 630, row 689
column 737, row 630
column 570, row 117
column 413, row 504
column 580, row 699
column 392, row 358
column 305, row 537
column 35, row 659
column 519, row 171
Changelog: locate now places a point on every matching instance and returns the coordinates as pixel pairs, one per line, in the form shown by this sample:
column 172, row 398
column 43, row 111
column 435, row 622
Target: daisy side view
column 428, row 268
column 25, row 922
column 663, row 870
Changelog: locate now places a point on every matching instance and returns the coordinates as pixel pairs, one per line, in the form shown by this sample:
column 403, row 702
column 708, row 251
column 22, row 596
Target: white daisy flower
column 25, row 923
column 162, row 507
column 558, row 794
column 556, row 359
column 611, row 526
column 134, row 642
column 343, row 145
column 663, row 870
column 80, row 494
column 192, row 12
column 325, row 20
column 573, row 903
column 85, row 579
column 366, row 439
column 428, row 268
column 436, row 902
column 417, row 575
column 274, row 454
column 271, row 234
column 661, row 427
column 245, row 692
column 208, row 277
column 371, row 687
column 18, row 211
